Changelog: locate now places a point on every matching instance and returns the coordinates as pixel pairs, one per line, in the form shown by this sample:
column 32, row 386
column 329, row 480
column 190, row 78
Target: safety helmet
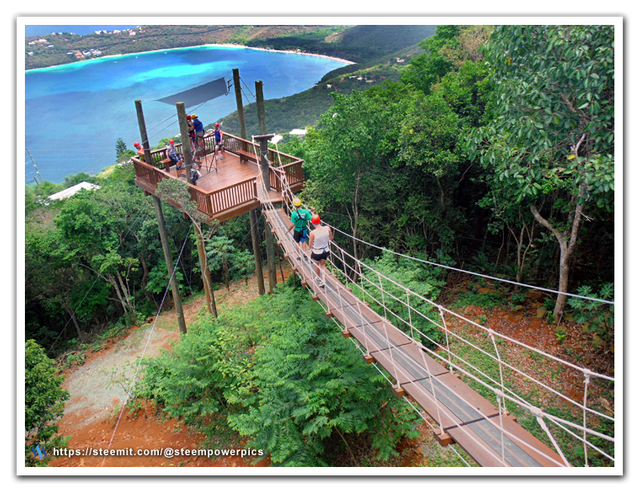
column 315, row 219
column 194, row 116
column 297, row 202
column 188, row 117
column 137, row 144
column 171, row 141
column 217, row 124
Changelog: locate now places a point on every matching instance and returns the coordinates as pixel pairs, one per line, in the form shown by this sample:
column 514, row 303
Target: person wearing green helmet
column 299, row 223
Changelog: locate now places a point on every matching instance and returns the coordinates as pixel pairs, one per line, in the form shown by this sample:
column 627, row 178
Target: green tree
column 349, row 158
column 427, row 68
column 353, row 140
column 122, row 153
column 548, row 141
column 283, row 376
column 308, row 384
column 220, row 252
column 177, row 192
column 428, row 152
column 92, row 233
column 44, row 404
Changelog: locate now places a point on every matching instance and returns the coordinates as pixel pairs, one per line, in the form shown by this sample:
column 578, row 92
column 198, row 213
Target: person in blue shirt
column 198, row 128
column 219, row 145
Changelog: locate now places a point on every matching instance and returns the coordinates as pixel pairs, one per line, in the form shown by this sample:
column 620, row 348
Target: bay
column 75, row 113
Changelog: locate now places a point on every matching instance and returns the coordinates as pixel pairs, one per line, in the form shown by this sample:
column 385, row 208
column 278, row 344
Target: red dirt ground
column 92, row 412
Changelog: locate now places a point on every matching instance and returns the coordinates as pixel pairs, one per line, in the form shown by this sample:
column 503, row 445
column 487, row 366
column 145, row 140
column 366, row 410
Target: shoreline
column 222, row 45
column 72, row 66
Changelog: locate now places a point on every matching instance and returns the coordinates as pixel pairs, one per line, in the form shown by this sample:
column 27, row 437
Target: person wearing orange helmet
column 219, row 142
column 172, row 154
column 319, row 240
column 140, row 151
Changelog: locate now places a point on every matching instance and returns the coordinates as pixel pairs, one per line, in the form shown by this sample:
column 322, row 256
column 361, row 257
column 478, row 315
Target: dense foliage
column 44, row 400
column 284, row 376
column 480, row 144
column 94, row 262
column 491, row 150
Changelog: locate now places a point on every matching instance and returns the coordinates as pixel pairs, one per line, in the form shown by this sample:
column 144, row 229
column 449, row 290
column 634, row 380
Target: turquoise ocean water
column 75, row 113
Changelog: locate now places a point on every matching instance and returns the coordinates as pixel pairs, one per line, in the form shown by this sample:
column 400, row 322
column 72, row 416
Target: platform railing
column 239, row 194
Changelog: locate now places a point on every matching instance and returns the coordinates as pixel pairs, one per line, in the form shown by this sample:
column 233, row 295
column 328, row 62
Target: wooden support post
column 314, row 297
column 264, row 165
column 256, row 249
column 444, row 439
column 143, row 133
column 368, row 358
column 164, row 239
column 239, row 107
column 271, row 259
column 328, row 314
column 206, row 275
column 346, row 334
column 186, row 141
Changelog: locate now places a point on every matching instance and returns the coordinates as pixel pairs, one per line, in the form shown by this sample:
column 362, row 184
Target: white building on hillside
column 68, row 192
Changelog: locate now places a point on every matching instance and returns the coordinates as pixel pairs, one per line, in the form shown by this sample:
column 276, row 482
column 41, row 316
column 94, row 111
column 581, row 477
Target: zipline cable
column 133, row 378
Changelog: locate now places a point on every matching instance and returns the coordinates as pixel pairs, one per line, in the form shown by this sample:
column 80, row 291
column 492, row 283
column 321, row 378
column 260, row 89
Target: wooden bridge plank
column 471, row 420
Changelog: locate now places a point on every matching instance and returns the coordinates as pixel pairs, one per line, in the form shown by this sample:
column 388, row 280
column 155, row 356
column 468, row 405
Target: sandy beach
column 221, row 45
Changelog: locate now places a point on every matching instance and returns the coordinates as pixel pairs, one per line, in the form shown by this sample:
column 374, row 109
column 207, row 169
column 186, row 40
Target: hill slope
column 384, row 50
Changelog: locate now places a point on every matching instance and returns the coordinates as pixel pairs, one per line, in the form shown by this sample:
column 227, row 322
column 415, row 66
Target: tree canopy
column 493, row 151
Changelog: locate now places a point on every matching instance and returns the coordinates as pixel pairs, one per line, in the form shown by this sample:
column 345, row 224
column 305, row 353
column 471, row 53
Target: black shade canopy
column 199, row 94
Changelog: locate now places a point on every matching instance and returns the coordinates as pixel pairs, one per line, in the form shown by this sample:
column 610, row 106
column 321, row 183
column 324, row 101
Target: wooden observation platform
column 228, row 187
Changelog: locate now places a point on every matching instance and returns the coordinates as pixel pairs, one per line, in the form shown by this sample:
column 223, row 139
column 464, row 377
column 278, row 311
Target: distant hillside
column 359, row 44
column 379, row 53
column 356, row 43
column 63, row 48
column 304, row 109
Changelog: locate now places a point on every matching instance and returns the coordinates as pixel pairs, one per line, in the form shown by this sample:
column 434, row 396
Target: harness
column 300, row 218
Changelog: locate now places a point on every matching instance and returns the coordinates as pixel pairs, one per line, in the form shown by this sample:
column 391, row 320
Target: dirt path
column 92, row 412
column 93, row 409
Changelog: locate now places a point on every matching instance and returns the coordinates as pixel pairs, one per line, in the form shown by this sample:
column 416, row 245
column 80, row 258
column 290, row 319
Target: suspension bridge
column 490, row 437
column 466, row 403
column 431, row 378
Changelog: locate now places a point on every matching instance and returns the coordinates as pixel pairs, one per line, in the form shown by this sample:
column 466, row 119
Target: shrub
column 43, row 404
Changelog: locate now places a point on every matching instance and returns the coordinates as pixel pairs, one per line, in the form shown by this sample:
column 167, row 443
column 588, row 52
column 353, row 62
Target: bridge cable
column 133, row 378
column 492, row 333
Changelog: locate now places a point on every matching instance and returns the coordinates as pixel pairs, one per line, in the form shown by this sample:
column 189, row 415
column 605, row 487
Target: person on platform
column 140, row 151
column 195, row 176
column 198, row 128
column 319, row 240
column 192, row 133
column 219, row 142
column 172, row 154
column 299, row 223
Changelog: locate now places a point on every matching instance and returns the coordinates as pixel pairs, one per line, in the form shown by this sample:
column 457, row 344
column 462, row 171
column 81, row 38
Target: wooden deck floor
column 223, row 173
column 466, row 417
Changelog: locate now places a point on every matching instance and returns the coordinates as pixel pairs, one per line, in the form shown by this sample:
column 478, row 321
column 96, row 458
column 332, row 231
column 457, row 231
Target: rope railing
column 489, row 332
column 346, row 265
